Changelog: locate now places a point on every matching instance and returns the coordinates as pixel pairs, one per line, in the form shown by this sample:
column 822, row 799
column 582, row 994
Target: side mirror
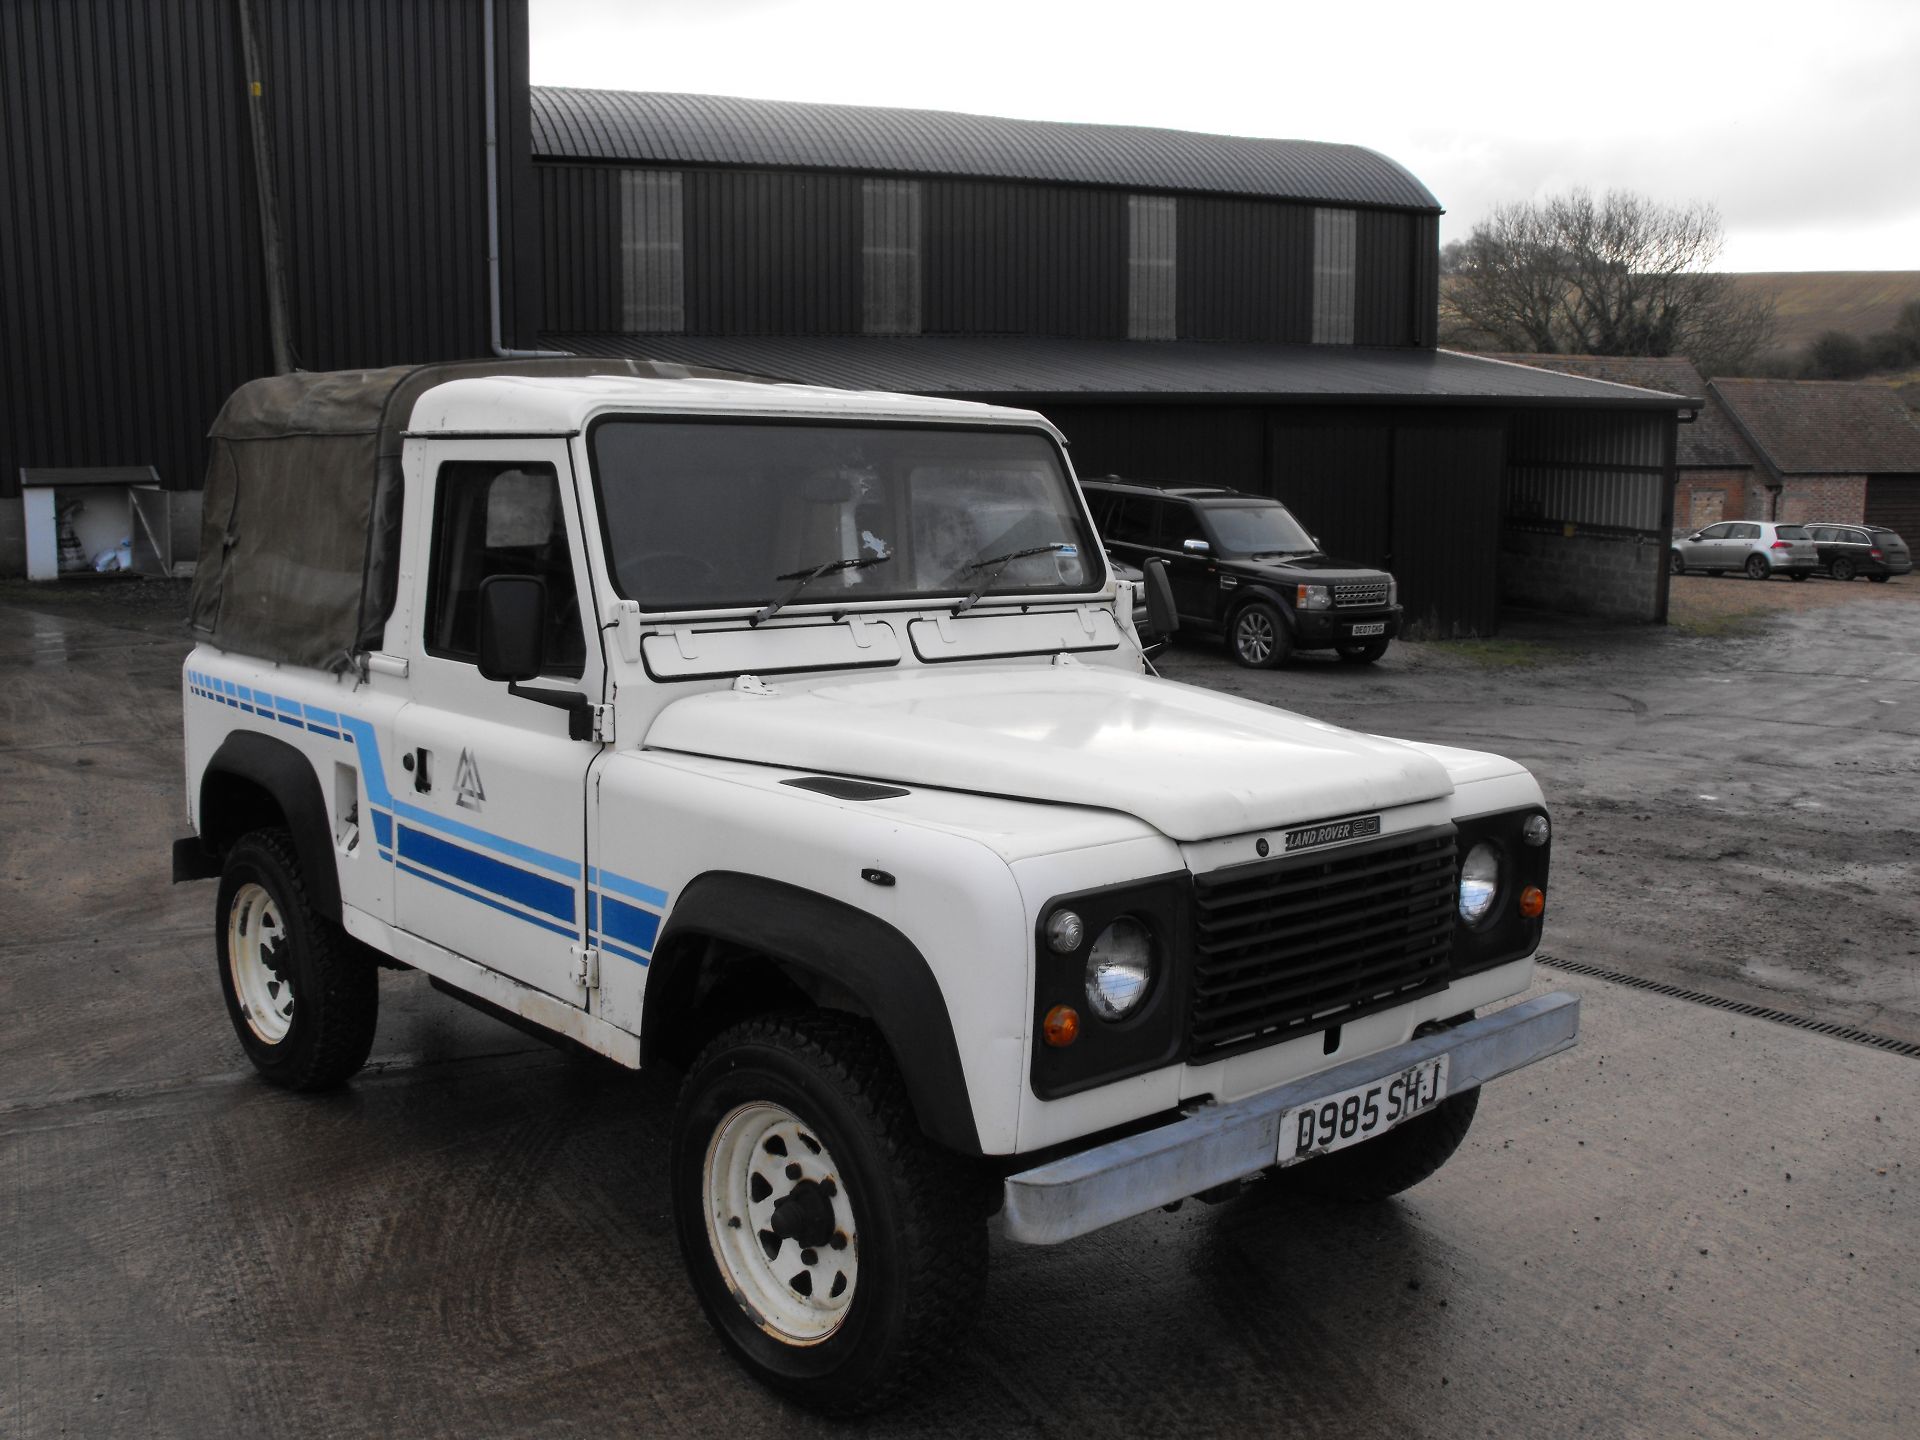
column 1196, row 547
column 1160, row 612
column 513, row 626
column 1695, row 536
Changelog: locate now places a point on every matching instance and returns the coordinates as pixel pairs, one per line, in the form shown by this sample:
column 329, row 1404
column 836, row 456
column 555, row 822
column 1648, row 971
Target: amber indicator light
column 1062, row 1026
column 1533, row 900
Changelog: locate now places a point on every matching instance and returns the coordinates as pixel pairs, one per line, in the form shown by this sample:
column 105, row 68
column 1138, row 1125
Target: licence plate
column 1362, row 1112
column 1378, row 627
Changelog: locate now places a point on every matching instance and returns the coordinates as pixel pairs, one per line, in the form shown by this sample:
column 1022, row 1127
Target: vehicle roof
column 1216, row 493
column 489, row 404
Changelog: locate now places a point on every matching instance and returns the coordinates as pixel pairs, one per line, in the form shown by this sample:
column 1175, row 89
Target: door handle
column 416, row 761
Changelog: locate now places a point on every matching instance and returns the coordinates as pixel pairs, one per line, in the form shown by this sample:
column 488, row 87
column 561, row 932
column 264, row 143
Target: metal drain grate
column 1738, row 1007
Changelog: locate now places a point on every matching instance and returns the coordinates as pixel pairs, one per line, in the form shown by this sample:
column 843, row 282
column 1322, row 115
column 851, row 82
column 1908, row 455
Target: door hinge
column 586, row 967
column 603, row 724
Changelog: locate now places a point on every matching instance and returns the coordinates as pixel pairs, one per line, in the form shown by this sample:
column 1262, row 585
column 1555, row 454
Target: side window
column 1819, row 532
column 1183, row 524
column 1716, row 532
column 1132, row 521
column 496, row 519
column 1746, row 532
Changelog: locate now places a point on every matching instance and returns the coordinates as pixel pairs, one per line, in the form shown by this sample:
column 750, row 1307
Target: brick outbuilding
column 1829, row 450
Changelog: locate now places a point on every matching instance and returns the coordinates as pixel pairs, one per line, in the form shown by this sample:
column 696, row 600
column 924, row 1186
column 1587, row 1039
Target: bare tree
column 1624, row 275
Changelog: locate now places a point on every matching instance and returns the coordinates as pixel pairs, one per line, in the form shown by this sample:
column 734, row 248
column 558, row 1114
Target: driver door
column 490, row 833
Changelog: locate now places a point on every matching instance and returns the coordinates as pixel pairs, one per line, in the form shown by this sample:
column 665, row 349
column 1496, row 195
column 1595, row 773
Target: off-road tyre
column 1387, row 1164
column 919, row 1213
column 1757, row 568
column 334, row 983
column 1841, row 570
column 1676, row 562
column 1259, row 637
column 1363, row 652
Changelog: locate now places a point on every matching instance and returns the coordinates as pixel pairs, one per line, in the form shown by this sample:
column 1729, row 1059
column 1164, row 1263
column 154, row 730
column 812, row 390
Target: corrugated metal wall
column 773, row 253
column 581, row 215
column 131, row 293
column 1605, row 470
column 1005, row 259
column 1181, row 445
column 1335, row 474
column 1243, row 276
column 1446, row 523
column 1384, row 278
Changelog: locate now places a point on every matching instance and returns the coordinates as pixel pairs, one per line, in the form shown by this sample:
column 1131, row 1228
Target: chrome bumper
column 1080, row 1193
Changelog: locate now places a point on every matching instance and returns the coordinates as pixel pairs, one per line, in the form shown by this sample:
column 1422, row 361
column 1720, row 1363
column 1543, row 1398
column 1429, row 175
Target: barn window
column 1333, row 266
column 890, row 257
column 1152, row 253
column 653, row 284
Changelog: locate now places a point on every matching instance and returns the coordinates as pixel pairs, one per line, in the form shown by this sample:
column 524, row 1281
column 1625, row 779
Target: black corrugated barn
column 1196, row 308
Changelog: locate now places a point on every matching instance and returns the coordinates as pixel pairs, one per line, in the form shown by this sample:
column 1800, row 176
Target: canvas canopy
column 300, row 522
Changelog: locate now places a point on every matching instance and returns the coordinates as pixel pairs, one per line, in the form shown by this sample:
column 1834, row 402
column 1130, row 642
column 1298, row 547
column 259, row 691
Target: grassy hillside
column 1860, row 302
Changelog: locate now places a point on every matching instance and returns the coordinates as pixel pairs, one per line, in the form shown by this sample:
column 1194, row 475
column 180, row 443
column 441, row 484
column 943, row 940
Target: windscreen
column 721, row 515
column 1256, row 530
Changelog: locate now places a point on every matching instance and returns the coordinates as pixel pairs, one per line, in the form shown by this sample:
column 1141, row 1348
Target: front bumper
column 1080, row 1193
column 1335, row 627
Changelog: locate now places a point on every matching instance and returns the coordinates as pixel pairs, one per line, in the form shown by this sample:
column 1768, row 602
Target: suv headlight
column 1312, row 597
column 1120, row 969
column 1479, row 882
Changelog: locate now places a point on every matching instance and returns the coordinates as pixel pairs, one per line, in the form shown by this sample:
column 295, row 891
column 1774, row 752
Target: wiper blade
column 993, row 565
column 807, row 577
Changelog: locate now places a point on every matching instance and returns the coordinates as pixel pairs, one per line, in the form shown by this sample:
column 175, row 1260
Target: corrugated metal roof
column 661, row 129
column 1028, row 366
column 1824, row 427
column 1710, row 443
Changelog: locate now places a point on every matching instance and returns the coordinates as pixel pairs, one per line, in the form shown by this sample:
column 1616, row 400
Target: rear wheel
column 837, row 1252
column 303, row 998
column 1676, row 562
column 1842, row 569
column 1362, row 652
column 1757, row 567
column 1259, row 638
column 1395, row 1161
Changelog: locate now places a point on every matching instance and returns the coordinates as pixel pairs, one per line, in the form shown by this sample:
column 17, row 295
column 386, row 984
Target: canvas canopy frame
column 300, row 520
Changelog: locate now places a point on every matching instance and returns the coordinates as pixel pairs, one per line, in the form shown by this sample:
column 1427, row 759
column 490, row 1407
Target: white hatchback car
column 1761, row 548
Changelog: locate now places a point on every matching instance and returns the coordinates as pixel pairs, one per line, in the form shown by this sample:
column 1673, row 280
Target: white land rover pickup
column 803, row 740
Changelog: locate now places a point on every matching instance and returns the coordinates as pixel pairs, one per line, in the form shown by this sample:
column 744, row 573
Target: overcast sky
column 1800, row 121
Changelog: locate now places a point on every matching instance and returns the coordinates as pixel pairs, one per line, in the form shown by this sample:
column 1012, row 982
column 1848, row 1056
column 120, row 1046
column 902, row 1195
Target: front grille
column 1360, row 592
column 1294, row 946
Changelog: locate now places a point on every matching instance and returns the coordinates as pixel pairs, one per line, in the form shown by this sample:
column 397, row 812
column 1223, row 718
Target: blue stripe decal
column 315, row 715
column 383, row 829
column 488, row 901
column 629, row 925
column 613, row 949
column 621, row 885
column 536, row 892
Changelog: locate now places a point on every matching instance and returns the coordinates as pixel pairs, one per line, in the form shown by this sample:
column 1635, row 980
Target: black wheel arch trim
column 287, row 777
column 836, row 942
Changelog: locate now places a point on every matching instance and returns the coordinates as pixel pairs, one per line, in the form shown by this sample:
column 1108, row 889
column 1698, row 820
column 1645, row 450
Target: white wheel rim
column 1256, row 636
column 257, row 956
column 769, row 1185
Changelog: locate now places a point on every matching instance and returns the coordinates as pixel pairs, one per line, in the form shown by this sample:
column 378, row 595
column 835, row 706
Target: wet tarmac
column 1693, row 1224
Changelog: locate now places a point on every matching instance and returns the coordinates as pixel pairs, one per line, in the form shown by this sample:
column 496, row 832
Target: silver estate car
column 1761, row 548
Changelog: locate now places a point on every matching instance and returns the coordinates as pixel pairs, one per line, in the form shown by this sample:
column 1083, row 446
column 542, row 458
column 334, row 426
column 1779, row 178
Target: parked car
column 1761, row 548
column 1870, row 550
column 1243, row 567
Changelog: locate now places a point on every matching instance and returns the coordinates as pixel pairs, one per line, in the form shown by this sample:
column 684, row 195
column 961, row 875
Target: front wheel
column 1259, row 638
column 1387, row 1164
column 1757, row 567
column 1361, row 652
column 1676, row 562
column 836, row 1251
column 303, row 998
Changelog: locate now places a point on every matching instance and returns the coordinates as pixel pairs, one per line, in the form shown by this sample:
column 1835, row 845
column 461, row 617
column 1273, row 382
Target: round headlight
column 1064, row 932
column 1479, row 882
column 1119, row 969
column 1536, row 830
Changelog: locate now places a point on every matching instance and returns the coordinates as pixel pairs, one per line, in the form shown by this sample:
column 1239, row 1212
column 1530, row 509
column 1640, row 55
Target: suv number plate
column 1378, row 627
column 1362, row 1112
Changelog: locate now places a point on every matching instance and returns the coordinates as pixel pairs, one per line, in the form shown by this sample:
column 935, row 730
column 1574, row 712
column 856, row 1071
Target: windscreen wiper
column 807, row 577
column 995, row 564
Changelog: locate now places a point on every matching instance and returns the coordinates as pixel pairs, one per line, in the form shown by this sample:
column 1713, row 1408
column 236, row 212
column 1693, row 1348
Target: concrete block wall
column 1615, row 577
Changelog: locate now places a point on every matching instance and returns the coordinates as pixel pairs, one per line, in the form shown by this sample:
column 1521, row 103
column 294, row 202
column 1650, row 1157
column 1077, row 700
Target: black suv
column 1870, row 550
column 1243, row 567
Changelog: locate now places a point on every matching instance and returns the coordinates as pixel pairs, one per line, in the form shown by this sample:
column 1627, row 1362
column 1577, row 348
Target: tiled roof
column 1824, row 427
column 1014, row 366
column 1710, row 442
column 663, row 129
